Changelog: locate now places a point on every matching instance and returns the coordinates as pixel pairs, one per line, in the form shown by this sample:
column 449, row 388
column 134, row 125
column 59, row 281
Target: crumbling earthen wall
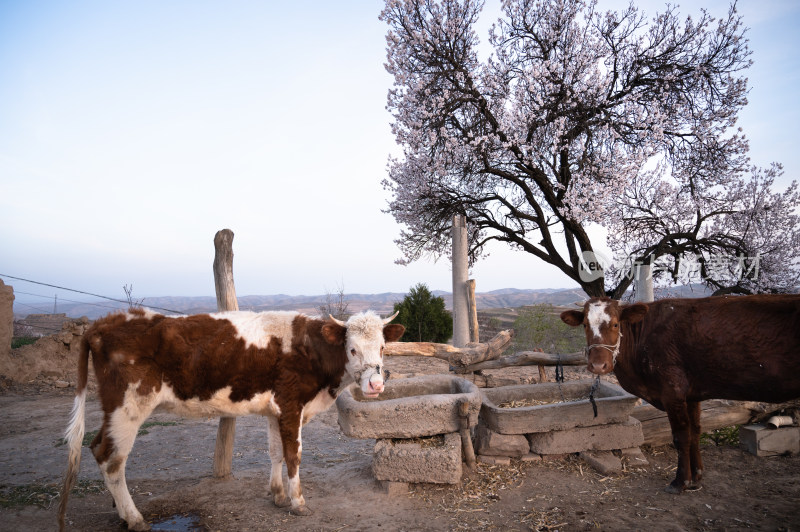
column 6, row 318
column 52, row 358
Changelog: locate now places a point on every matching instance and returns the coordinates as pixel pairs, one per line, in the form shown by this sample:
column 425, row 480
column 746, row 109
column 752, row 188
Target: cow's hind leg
column 111, row 448
column 693, row 408
column 292, row 451
column 679, row 422
column 276, row 460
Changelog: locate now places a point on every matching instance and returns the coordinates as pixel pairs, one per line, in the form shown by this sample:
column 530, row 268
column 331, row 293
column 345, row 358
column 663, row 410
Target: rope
column 595, row 385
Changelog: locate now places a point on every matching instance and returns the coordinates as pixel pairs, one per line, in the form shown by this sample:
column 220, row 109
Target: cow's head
column 602, row 320
column 365, row 337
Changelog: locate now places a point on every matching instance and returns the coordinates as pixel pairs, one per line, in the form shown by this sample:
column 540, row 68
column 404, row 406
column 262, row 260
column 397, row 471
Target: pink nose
column 598, row 368
column 375, row 386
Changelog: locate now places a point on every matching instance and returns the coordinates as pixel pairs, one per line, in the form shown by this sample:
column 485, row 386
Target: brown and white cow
column 283, row 365
column 675, row 353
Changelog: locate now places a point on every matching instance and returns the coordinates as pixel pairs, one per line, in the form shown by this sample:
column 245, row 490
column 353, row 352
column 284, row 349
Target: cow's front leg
column 679, row 422
column 693, row 408
column 292, row 450
column 276, row 461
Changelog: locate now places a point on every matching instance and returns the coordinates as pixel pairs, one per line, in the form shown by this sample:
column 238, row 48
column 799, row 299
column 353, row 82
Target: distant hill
column 383, row 303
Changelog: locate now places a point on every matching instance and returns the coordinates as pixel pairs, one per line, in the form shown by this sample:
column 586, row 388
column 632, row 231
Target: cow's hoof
column 673, row 489
column 281, row 501
column 301, row 510
column 139, row 526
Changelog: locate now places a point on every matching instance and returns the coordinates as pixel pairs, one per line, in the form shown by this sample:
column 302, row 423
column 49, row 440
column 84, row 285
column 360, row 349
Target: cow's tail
column 74, row 434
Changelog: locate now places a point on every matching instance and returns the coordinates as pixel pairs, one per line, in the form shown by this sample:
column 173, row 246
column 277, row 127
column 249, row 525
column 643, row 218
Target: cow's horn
column 390, row 318
column 337, row 322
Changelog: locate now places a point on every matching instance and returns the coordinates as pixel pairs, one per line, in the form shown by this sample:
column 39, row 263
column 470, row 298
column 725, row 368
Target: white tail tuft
column 74, row 434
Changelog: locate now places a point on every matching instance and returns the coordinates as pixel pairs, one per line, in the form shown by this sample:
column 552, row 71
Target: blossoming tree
column 581, row 117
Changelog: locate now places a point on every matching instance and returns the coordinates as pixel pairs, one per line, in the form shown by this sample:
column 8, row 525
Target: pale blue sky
column 130, row 132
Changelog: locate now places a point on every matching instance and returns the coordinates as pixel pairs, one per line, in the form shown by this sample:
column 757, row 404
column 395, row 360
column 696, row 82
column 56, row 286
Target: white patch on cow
column 294, row 491
column 148, row 315
column 127, row 418
column 365, row 338
column 259, row 328
column 219, row 404
column 321, row 402
column 597, row 316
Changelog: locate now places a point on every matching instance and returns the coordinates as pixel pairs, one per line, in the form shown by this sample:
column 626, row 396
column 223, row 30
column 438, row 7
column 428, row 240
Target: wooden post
column 226, row 300
column 460, row 263
column 466, row 439
column 474, row 333
column 644, row 283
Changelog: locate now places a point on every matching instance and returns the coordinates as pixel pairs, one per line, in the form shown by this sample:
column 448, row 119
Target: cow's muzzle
column 374, row 385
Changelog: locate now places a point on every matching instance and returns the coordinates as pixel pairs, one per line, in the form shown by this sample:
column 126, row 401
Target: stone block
column 760, row 440
column 398, row 460
column 604, row 462
column 595, row 438
column 564, row 406
column 634, row 457
column 491, row 443
column 494, row 460
column 409, row 408
column 388, row 487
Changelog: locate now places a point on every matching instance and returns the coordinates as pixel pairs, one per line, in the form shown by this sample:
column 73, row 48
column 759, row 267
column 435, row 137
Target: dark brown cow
column 283, row 365
column 675, row 353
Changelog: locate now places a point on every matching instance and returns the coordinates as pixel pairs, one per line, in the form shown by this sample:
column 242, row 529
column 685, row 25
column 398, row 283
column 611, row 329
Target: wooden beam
column 455, row 355
column 526, row 358
column 714, row 414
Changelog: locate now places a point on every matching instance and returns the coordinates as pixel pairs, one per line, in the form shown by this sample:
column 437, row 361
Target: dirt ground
column 169, row 474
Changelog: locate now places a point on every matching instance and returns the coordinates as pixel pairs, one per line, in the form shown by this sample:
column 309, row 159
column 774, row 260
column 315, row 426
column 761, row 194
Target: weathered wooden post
column 474, row 332
column 644, row 283
column 460, row 263
column 226, row 300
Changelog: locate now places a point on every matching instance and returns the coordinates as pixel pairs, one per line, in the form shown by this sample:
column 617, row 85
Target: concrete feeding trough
column 551, row 413
column 409, row 408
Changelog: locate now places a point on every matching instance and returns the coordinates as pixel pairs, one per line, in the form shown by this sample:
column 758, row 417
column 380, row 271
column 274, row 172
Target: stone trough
column 409, row 408
column 561, row 420
column 408, row 411
column 614, row 405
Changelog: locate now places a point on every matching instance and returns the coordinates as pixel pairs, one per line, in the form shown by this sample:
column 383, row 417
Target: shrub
column 539, row 326
column 424, row 316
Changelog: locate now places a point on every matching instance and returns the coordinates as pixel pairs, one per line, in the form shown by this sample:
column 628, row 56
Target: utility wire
column 82, row 292
column 63, row 299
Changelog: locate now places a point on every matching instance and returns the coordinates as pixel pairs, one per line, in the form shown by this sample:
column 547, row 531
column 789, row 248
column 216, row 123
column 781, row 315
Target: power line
column 64, row 299
column 82, row 292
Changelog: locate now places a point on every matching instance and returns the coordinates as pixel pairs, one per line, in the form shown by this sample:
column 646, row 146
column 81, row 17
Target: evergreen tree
column 424, row 316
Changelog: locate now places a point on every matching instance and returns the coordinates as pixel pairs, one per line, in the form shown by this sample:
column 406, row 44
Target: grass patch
column 19, row 341
column 148, row 424
column 89, row 436
column 723, row 436
column 43, row 495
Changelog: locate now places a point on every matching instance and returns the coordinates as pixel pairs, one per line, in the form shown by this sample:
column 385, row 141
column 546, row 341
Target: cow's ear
column 334, row 333
column 572, row 317
column 633, row 313
column 393, row 332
